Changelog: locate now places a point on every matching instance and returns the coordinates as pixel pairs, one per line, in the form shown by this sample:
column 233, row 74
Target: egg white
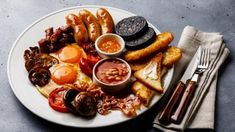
column 81, row 77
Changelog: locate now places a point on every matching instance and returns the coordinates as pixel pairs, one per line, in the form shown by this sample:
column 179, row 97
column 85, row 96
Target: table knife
column 188, row 95
column 184, row 102
column 165, row 115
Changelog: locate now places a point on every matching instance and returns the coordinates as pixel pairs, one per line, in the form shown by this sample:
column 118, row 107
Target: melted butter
column 150, row 71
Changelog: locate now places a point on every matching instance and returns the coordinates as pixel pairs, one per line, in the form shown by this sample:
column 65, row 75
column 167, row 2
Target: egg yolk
column 70, row 54
column 64, row 74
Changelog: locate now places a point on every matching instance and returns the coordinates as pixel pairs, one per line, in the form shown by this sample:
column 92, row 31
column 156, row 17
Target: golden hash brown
column 171, row 55
column 162, row 40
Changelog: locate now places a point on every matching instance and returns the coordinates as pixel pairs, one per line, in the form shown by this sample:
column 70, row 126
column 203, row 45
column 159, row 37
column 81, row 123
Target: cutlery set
column 177, row 105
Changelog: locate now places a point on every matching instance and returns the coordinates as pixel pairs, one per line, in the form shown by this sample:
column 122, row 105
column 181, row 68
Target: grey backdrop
column 166, row 15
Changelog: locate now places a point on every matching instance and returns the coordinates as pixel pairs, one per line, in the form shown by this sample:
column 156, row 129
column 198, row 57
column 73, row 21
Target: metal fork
column 191, row 86
column 203, row 64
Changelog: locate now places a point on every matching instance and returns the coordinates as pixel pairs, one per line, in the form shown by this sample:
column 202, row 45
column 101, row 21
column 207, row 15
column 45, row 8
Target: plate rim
column 41, row 19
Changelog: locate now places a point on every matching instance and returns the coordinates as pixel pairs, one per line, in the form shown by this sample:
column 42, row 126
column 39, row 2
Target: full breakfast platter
column 91, row 66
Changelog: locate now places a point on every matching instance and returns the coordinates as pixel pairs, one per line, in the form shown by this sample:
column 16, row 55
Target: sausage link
column 80, row 31
column 105, row 20
column 91, row 23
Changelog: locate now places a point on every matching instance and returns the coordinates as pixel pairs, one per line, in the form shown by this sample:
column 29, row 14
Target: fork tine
column 200, row 61
column 203, row 56
column 204, row 60
column 208, row 57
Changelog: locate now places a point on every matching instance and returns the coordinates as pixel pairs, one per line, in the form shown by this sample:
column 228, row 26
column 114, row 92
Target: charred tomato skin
column 55, row 100
column 85, row 67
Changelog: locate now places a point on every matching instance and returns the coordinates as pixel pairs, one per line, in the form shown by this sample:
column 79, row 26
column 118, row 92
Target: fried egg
column 67, row 71
column 71, row 53
column 64, row 73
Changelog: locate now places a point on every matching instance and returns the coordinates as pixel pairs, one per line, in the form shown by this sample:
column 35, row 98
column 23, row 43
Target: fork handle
column 184, row 102
column 165, row 114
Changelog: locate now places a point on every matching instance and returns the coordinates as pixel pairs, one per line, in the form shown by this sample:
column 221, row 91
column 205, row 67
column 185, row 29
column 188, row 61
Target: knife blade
column 165, row 115
column 192, row 66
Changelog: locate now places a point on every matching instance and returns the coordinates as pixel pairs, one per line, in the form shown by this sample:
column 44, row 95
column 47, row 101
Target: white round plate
column 28, row 94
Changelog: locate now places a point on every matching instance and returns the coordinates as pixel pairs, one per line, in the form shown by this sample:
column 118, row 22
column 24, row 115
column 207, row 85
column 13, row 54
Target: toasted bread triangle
column 150, row 75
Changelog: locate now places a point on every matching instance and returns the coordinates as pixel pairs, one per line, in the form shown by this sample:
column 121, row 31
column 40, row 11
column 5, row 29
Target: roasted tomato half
column 85, row 67
column 56, row 101
column 93, row 59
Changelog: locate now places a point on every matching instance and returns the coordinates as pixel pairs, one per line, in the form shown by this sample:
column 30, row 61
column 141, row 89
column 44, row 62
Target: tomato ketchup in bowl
column 112, row 74
column 109, row 45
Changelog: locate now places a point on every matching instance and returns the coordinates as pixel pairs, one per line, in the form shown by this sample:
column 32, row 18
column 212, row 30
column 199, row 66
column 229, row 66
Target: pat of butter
column 150, row 71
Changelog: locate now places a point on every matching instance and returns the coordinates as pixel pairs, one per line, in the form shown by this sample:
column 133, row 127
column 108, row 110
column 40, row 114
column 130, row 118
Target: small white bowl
column 112, row 88
column 114, row 54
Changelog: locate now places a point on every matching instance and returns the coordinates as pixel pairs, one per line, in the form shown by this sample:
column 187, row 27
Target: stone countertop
column 166, row 15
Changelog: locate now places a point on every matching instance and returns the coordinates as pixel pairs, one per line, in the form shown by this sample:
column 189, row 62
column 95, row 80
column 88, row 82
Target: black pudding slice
column 131, row 27
column 142, row 41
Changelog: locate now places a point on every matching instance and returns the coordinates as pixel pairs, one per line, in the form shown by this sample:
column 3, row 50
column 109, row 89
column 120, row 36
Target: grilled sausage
column 80, row 31
column 105, row 20
column 91, row 23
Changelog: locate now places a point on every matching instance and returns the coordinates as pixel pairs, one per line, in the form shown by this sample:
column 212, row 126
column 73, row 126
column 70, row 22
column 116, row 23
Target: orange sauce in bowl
column 109, row 45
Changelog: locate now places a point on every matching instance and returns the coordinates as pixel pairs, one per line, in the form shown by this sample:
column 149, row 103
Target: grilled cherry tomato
column 85, row 67
column 56, row 100
column 93, row 59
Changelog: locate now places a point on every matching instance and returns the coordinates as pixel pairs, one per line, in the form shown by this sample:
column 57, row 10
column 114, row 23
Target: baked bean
column 118, row 78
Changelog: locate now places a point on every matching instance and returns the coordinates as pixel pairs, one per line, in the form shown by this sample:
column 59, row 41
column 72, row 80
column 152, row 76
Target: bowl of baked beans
column 112, row 74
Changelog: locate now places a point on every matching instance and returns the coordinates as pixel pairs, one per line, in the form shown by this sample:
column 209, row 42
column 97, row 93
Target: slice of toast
column 150, row 75
column 143, row 92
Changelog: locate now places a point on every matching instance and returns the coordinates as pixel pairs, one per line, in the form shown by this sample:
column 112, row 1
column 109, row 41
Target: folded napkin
column 200, row 113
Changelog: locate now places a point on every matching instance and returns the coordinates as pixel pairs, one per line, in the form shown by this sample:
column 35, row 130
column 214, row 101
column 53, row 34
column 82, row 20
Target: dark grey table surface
column 166, row 15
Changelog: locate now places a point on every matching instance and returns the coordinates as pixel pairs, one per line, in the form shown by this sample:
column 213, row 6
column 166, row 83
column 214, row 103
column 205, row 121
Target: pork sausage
column 91, row 23
column 105, row 20
column 80, row 31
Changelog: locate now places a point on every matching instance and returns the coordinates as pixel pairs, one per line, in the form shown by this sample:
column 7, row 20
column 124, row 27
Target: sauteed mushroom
column 68, row 98
column 39, row 76
column 41, row 60
column 85, row 104
column 80, row 103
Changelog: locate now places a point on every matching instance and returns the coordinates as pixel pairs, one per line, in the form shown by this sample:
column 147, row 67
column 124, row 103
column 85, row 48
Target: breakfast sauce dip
column 109, row 45
column 112, row 71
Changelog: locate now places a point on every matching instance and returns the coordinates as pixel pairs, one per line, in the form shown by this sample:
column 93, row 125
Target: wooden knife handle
column 184, row 102
column 165, row 114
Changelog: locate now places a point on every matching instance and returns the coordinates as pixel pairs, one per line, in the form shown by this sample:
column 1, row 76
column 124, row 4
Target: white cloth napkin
column 200, row 113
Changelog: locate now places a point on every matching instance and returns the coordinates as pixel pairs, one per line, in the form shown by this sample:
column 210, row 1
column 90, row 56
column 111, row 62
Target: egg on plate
column 67, row 71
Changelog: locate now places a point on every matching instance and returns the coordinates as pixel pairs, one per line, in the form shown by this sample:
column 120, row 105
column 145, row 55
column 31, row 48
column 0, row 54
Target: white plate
column 28, row 94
